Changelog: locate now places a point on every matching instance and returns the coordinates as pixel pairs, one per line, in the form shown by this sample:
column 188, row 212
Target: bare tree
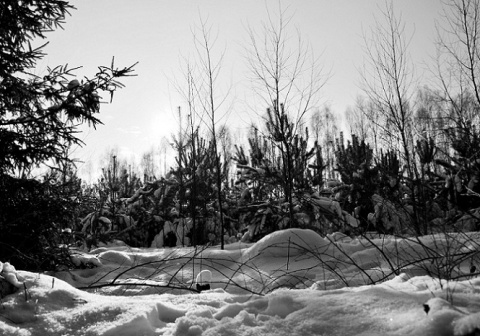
column 211, row 105
column 206, row 102
column 458, row 74
column 148, row 164
column 431, row 119
column 163, row 149
column 459, row 48
column 359, row 121
column 189, row 91
column 283, row 71
column 324, row 127
column 458, row 68
column 225, row 144
column 288, row 78
column 387, row 79
column 387, row 82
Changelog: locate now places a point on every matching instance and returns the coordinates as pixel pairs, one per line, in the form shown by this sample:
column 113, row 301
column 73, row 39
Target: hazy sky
column 158, row 33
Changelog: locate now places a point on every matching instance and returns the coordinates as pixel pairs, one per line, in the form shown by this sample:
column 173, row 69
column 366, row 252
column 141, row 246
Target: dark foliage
column 358, row 171
column 196, row 175
column 33, row 221
column 39, row 116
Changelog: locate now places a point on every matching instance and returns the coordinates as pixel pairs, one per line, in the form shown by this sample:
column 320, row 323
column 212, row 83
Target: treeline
column 283, row 179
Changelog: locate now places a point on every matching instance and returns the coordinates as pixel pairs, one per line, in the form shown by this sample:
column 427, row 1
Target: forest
column 408, row 165
column 308, row 227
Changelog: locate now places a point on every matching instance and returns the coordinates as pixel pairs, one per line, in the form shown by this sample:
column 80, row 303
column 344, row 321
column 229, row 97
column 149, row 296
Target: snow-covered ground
column 292, row 282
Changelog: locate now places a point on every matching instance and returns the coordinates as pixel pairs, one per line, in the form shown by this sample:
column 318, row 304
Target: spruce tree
column 39, row 119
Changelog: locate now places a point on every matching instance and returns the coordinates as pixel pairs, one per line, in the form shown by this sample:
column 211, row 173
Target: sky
column 158, row 35
column 292, row 282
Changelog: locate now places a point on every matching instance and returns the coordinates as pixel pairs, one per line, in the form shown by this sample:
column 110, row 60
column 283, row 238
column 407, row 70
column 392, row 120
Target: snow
column 292, row 282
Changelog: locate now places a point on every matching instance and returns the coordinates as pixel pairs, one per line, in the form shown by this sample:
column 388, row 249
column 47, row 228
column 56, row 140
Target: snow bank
column 292, row 258
column 321, row 269
column 54, row 308
column 9, row 273
column 290, row 242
